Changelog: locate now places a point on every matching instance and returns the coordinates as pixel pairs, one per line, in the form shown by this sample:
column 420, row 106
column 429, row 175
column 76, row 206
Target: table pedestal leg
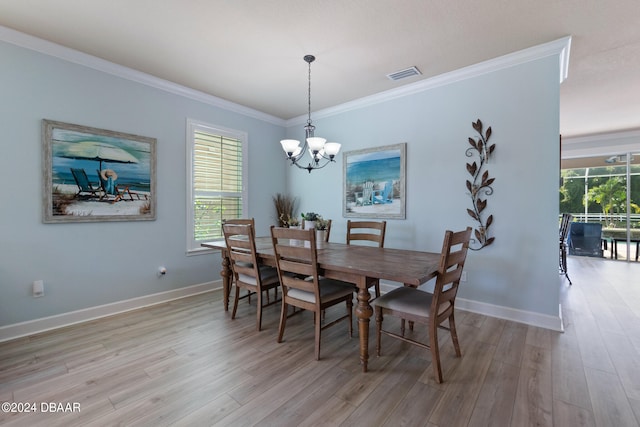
column 364, row 312
column 226, row 281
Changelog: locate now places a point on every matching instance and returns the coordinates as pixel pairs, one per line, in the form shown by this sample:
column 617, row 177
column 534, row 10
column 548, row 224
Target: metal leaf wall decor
column 480, row 185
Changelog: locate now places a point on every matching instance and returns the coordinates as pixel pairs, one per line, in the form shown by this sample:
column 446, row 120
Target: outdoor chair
column 364, row 197
column 82, row 181
column 302, row 286
column 565, row 224
column 430, row 308
column 118, row 192
column 383, row 195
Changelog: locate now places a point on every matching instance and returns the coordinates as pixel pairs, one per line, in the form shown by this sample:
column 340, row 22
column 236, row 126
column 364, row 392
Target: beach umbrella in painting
column 93, row 150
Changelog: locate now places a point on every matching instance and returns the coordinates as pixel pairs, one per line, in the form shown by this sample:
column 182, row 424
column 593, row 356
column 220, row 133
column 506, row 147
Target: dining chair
column 302, row 286
column 429, row 308
column 367, row 231
column 328, row 229
column 252, row 222
column 565, row 224
column 248, row 273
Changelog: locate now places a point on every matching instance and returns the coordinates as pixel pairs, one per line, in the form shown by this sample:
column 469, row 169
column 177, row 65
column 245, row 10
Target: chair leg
column 283, row 320
column 350, row 310
column 435, row 354
column 563, row 264
column 235, row 302
column 259, row 310
column 318, row 325
column 378, row 329
column 454, row 335
column 378, row 289
column 402, row 326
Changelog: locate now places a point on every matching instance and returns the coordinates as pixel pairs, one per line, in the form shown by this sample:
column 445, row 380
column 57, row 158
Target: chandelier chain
column 309, row 95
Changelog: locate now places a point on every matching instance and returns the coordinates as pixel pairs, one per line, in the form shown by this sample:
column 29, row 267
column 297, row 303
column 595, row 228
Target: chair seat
column 408, row 300
column 269, row 275
column 329, row 289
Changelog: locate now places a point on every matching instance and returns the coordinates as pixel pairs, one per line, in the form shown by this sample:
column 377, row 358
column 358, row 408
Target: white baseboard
column 527, row 317
column 31, row 327
column 43, row 324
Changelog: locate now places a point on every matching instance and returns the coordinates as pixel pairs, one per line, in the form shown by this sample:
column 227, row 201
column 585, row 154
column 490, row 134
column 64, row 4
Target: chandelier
column 321, row 151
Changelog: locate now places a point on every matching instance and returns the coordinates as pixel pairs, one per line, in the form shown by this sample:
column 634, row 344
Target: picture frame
column 94, row 175
column 374, row 182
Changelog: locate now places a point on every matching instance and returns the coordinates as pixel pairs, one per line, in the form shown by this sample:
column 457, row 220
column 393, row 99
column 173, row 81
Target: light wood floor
column 186, row 363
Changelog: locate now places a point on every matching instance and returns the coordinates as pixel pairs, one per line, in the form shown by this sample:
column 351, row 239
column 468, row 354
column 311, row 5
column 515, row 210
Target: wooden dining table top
column 399, row 265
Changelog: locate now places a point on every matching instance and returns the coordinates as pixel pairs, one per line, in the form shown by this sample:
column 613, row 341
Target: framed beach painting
column 374, row 182
column 92, row 175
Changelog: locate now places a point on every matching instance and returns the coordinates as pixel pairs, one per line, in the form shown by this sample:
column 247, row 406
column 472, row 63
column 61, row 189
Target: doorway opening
column 603, row 195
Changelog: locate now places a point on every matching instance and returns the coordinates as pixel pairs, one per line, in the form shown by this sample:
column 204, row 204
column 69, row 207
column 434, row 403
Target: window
column 216, row 177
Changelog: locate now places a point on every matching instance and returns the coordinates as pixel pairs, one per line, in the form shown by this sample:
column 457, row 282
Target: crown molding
column 601, row 144
column 71, row 55
column 560, row 47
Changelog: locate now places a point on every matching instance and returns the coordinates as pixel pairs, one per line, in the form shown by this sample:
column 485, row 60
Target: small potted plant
column 310, row 219
column 289, row 221
column 321, row 229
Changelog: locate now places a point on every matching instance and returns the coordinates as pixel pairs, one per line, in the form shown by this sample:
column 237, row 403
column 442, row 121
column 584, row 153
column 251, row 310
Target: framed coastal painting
column 374, row 182
column 92, row 175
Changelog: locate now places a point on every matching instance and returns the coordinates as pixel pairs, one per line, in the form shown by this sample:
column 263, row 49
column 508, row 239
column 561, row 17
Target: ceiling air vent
column 403, row 74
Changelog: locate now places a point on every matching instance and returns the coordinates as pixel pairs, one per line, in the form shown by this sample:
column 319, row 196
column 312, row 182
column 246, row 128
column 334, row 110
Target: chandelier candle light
column 321, row 151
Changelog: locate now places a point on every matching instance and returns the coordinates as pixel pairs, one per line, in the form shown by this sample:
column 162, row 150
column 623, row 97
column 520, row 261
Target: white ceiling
column 250, row 52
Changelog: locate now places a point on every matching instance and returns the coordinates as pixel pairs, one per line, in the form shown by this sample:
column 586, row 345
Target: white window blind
column 217, row 177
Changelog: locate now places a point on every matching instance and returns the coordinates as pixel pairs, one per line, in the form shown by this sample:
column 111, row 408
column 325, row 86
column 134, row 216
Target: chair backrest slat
column 240, row 221
column 372, row 231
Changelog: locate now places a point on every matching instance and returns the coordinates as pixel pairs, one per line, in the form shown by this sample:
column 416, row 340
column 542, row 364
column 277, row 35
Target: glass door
column 633, row 206
column 604, row 192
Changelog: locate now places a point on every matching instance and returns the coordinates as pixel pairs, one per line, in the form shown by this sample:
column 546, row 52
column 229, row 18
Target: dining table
column 354, row 264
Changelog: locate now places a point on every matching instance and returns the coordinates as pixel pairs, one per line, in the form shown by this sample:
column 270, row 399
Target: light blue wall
column 521, row 104
column 89, row 264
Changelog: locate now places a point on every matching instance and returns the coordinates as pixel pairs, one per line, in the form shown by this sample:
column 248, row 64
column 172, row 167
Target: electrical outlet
column 37, row 289
column 463, row 277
